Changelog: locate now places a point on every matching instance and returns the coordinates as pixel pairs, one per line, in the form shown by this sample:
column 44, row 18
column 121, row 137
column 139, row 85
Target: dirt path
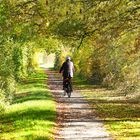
column 75, row 119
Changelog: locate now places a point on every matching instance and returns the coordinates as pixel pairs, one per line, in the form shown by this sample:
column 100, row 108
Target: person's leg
column 70, row 79
column 64, row 82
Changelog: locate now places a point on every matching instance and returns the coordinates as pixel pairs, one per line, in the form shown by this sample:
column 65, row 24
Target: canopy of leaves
column 103, row 34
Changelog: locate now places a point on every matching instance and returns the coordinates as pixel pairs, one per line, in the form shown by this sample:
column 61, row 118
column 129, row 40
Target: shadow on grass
column 122, row 102
column 33, row 81
column 32, row 110
column 42, row 138
column 38, row 114
column 30, row 114
column 27, row 96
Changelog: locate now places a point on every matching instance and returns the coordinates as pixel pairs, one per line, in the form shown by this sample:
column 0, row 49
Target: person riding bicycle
column 67, row 69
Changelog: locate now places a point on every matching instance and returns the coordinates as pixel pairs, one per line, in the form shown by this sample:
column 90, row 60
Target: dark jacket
column 65, row 69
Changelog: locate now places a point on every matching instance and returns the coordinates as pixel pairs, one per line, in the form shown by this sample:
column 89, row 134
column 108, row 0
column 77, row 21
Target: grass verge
column 32, row 114
column 120, row 113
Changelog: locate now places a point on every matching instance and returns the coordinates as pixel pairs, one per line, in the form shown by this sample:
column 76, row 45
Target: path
column 76, row 119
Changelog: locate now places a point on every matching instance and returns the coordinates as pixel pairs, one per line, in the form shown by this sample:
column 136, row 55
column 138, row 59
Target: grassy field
column 120, row 113
column 32, row 114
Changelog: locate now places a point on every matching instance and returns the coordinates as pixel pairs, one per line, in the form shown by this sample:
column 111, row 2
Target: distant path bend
column 75, row 119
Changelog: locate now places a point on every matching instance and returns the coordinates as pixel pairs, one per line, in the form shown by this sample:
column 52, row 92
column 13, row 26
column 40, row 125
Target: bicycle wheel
column 69, row 91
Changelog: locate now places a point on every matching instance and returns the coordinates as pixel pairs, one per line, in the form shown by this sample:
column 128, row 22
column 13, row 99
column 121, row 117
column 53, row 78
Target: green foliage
column 2, row 101
column 57, row 64
column 108, row 34
column 7, row 82
column 49, row 44
column 101, row 35
column 70, row 28
column 29, row 62
column 17, row 59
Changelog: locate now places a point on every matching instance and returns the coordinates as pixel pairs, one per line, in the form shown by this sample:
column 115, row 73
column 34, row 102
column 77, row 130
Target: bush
column 2, row 101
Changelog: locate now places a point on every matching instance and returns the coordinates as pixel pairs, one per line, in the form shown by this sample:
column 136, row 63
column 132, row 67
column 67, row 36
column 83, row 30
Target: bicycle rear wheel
column 69, row 91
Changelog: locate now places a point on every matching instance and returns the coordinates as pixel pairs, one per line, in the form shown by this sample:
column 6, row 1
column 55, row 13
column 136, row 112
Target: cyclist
column 67, row 69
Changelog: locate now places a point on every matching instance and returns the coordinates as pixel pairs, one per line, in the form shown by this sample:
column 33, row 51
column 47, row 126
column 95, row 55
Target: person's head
column 68, row 58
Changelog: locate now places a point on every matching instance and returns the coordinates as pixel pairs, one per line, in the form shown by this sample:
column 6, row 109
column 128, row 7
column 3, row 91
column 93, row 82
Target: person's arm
column 61, row 69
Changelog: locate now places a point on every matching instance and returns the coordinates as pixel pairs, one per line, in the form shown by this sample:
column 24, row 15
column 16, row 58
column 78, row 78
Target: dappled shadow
column 88, row 114
column 77, row 115
column 55, row 83
column 29, row 114
column 42, row 138
column 36, row 84
column 135, row 98
column 33, row 80
column 64, row 100
column 85, row 138
column 76, row 119
column 100, row 101
column 39, row 95
column 26, row 117
column 92, row 100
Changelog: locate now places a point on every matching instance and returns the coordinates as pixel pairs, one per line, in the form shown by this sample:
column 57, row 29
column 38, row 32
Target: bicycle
column 68, row 87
